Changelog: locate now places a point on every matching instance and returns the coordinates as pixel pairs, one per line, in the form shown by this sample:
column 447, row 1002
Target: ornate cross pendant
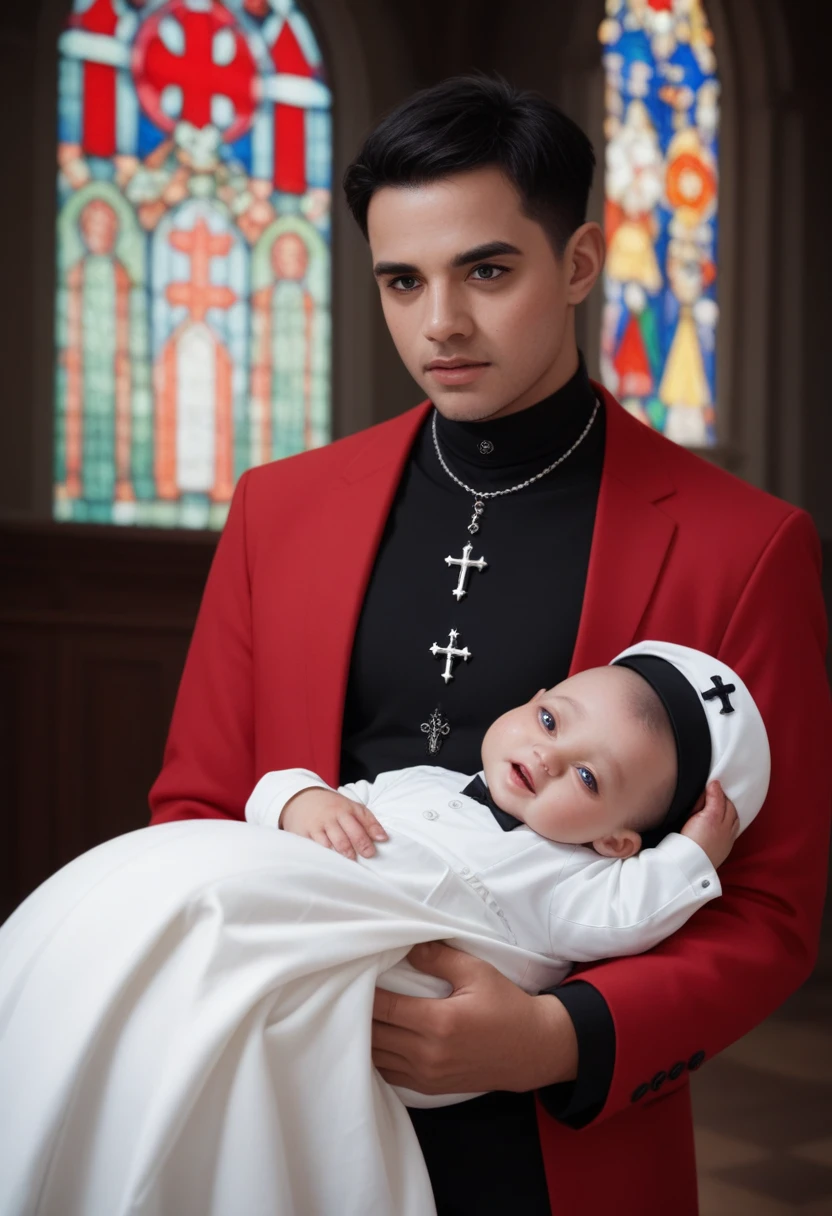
column 451, row 653
column 437, row 729
column 465, row 564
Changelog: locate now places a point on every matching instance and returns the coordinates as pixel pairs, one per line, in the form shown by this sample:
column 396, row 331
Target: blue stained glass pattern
column 658, row 339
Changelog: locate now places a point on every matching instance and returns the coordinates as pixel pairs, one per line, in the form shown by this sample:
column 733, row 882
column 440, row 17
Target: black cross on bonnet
column 720, row 690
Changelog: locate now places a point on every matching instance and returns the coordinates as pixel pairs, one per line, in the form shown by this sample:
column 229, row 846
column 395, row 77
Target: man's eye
column 547, row 721
column 407, row 281
column 491, row 273
column 588, row 779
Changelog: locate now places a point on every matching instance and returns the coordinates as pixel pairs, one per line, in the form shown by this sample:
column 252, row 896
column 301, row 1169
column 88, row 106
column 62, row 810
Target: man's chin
column 459, row 405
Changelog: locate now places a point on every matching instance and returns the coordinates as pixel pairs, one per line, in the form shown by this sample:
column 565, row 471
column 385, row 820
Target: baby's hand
column 716, row 826
column 332, row 820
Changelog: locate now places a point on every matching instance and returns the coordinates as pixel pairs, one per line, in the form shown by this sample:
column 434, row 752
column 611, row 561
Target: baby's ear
column 537, row 695
column 620, row 845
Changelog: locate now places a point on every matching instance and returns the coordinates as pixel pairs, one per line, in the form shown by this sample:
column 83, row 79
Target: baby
column 186, row 1010
column 609, row 761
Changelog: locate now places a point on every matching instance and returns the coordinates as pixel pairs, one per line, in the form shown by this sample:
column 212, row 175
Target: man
column 361, row 615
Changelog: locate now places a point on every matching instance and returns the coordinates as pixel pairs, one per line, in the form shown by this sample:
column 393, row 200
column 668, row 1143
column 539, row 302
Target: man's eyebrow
column 490, row 249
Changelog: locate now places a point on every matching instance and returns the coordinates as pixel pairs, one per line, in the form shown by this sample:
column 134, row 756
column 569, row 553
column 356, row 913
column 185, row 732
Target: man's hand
column 334, row 821
column 716, row 826
column 487, row 1034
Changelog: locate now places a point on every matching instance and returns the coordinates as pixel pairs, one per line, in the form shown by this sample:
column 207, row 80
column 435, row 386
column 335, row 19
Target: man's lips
column 522, row 777
column 448, row 364
column 457, row 373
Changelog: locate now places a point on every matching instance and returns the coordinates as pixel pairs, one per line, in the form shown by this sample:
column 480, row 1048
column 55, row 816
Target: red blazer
column 681, row 551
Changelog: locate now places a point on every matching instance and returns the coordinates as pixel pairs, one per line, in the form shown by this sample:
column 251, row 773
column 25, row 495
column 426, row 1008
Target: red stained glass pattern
column 99, row 121
column 289, row 125
column 195, row 71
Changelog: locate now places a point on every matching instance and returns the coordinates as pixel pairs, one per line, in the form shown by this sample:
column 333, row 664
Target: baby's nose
column 548, row 758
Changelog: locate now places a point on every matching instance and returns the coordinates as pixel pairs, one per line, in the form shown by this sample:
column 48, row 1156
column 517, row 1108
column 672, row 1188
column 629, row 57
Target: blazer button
column 639, row 1093
column 658, row 1081
column 677, row 1070
column 696, row 1061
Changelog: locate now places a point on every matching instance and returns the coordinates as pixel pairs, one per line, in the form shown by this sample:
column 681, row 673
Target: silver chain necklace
column 480, row 496
column 437, row 727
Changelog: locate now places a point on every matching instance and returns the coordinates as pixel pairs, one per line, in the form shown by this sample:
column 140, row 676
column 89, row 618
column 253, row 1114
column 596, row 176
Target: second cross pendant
column 450, row 652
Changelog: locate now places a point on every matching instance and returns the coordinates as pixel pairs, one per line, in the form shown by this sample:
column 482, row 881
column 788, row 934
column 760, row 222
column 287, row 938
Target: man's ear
column 585, row 256
column 621, row 845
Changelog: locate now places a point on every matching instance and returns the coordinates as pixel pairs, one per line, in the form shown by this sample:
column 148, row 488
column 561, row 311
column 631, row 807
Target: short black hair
column 469, row 122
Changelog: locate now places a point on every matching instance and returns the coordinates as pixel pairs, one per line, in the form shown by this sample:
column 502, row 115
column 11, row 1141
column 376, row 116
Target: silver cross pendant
column 437, row 730
column 450, row 652
column 465, row 564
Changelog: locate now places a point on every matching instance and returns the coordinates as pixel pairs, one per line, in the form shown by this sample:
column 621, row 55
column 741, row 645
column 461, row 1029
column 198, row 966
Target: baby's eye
column 588, row 779
column 547, row 721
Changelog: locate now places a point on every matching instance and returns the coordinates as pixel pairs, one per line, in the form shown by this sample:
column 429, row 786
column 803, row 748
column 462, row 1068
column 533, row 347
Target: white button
column 464, row 872
column 455, row 804
column 429, row 815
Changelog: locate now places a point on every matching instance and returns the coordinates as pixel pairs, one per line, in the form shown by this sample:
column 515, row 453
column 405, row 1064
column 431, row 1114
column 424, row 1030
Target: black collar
column 478, row 790
column 520, row 444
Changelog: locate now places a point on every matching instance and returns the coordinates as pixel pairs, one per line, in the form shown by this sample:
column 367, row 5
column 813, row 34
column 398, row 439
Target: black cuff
column 576, row 1103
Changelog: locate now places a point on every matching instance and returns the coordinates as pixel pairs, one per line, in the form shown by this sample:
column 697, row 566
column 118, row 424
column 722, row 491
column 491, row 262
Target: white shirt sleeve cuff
column 273, row 791
column 694, row 863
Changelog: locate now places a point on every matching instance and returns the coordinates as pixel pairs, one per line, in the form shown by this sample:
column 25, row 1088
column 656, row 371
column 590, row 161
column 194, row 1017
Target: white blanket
column 185, row 1018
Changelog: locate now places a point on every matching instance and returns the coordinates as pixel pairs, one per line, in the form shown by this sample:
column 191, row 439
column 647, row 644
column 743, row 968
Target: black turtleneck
column 519, row 621
column 519, row 618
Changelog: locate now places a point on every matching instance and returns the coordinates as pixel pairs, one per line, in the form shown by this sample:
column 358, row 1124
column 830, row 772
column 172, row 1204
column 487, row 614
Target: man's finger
column 390, row 1060
column 409, row 1013
column 392, row 1077
column 455, row 966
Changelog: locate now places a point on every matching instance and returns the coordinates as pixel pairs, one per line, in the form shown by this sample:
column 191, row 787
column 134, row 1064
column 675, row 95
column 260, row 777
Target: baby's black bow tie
column 478, row 790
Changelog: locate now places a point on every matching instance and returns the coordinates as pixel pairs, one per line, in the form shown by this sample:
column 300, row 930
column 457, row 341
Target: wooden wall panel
column 94, row 629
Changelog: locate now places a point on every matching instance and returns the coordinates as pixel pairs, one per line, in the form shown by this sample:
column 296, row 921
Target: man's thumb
column 436, row 958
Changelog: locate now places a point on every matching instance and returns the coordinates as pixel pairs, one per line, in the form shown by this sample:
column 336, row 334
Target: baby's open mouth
column 522, row 774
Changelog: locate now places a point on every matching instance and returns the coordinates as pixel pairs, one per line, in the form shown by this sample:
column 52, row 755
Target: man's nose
column 445, row 315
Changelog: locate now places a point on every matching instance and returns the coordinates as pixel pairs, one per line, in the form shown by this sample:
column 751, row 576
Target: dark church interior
column 95, row 619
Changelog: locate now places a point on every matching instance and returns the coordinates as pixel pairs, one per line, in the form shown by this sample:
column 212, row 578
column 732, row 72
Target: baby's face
column 577, row 764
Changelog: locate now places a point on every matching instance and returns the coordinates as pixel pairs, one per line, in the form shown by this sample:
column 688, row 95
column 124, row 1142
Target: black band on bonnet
column 690, row 730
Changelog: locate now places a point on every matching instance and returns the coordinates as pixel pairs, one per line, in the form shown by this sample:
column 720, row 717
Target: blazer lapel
column 629, row 545
column 345, row 530
column 630, row 540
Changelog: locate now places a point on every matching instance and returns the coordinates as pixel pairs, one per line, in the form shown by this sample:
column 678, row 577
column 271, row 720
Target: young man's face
column 578, row 765
column 478, row 304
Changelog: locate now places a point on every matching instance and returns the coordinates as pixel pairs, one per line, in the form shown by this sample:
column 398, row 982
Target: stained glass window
column 193, row 276
column 662, row 119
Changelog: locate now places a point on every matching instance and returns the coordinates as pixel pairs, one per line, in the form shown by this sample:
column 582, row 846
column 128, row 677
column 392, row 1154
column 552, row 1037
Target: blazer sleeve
column 739, row 958
column 208, row 766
